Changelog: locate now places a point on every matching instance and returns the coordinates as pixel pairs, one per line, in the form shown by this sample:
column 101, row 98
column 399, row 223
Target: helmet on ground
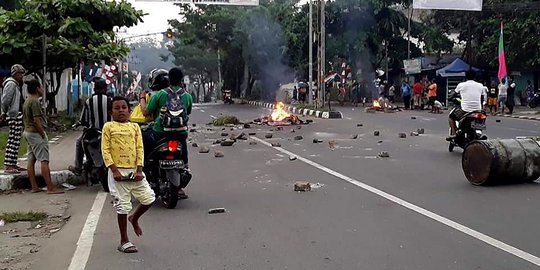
column 159, row 79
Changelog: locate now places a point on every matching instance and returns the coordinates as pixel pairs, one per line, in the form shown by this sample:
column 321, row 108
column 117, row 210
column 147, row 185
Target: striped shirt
column 96, row 111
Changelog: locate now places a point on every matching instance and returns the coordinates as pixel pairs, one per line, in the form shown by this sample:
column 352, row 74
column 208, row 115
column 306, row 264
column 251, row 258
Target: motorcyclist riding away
column 160, row 80
column 471, row 100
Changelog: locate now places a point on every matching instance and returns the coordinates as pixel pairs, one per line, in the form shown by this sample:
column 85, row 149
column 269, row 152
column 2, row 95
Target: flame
column 279, row 113
column 376, row 104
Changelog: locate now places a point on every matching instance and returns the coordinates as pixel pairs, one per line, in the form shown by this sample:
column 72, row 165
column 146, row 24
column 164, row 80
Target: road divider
column 305, row 112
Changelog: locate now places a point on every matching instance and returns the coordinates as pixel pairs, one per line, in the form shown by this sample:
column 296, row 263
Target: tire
column 451, row 147
column 102, row 174
column 169, row 196
column 533, row 104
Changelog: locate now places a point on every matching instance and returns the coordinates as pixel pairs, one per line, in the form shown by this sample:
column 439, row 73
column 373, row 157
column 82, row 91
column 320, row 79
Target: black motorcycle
column 227, row 97
column 165, row 171
column 94, row 170
column 469, row 128
column 535, row 100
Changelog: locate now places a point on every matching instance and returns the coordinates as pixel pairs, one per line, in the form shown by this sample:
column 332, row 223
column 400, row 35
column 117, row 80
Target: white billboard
column 209, row 2
column 474, row 5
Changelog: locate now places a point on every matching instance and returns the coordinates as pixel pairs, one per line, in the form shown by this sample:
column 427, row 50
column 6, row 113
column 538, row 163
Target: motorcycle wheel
column 169, row 196
column 102, row 174
column 533, row 104
column 451, row 147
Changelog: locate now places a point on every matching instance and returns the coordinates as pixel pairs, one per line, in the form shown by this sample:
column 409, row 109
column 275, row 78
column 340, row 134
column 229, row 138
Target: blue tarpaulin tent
column 455, row 69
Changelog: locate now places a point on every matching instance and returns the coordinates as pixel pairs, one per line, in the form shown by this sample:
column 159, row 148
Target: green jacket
column 159, row 100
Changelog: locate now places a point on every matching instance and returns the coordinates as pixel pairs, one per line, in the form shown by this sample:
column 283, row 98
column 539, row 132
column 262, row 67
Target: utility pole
column 219, row 71
column 322, row 84
column 310, row 93
column 44, row 81
column 409, row 31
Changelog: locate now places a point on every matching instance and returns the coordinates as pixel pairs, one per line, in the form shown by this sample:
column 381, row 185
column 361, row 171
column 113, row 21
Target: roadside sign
column 209, row 2
column 413, row 66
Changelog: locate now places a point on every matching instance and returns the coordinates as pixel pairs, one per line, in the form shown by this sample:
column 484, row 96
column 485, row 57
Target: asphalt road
column 346, row 223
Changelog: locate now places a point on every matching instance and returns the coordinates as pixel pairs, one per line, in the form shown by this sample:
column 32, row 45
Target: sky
column 156, row 20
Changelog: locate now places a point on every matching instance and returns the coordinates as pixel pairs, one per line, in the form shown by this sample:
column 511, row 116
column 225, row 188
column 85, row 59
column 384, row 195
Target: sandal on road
column 127, row 247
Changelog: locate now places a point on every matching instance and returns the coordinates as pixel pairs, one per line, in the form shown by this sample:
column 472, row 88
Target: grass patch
column 22, row 216
column 226, row 120
column 311, row 107
column 4, row 133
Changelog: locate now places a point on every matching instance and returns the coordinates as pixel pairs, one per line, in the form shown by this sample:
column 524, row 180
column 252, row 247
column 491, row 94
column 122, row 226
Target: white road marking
column 202, row 111
column 450, row 223
column 86, row 239
column 213, row 117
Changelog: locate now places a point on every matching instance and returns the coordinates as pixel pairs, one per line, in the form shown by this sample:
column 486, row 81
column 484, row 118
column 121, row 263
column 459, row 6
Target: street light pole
column 310, row 93
column 322, row 84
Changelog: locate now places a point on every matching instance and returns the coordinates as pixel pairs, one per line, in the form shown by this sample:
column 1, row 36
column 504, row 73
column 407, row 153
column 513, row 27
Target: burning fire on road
column 280, row 117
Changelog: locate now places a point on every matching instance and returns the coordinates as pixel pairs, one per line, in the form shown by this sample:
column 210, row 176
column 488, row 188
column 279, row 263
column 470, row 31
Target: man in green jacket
column 159, row 100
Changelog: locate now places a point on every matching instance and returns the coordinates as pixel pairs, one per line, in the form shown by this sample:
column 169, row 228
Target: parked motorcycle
column 469, row 128
column 94, row 170
column 535, row 100
column 165, row 171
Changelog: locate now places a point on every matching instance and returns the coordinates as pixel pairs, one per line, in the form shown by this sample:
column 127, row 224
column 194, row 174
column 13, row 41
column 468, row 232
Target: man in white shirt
column 503, row 95
column 471, row 100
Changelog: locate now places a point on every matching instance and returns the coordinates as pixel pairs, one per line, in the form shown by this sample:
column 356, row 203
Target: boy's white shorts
column 121, row 192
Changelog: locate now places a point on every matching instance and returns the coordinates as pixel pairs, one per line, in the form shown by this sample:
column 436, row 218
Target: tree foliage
column 76, row 30
column 520, row 18
column 269, row 43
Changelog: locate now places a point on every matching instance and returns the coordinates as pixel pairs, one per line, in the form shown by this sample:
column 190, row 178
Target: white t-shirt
column 503, row 90
column 471, row 94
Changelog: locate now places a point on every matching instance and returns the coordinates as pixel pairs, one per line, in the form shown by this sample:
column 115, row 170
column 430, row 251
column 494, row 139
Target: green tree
column 76, row 30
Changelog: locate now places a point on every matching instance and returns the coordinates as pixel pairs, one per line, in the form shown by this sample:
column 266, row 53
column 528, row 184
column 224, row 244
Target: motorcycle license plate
column 481, row 126
column 170, row 164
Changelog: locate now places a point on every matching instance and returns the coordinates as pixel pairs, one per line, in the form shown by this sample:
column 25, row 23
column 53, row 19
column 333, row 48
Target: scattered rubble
column 242, row 136
column 227, row 143
column 298, row 127
column 247, row 126
column 204, row 150
column 252, row 143
column 402, row 135
column 376, row 133
column 193, row 125
column 224, row 134
column 332, row 144
column 276, row 144
column 359, row 125
column 413, row 117
column 421, row 131
column 293, row 131
column 269, row 135
column 298, row 138
column 383, row 154
column 291, row 158
column 380, row 142
column 252, row 134
column 354, row 137
column 194, row 144
column 193, row 130
column 498, row 120
column 302, row 186
column 414, row 134
column 279, row 128
column 219, row 154
column 218, row 141
column 216, row 210
column 317, row 141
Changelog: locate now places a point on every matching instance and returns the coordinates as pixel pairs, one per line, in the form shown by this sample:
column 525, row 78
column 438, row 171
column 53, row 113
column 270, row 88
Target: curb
column 521, row 117
column 21, row 181
column 305, row 112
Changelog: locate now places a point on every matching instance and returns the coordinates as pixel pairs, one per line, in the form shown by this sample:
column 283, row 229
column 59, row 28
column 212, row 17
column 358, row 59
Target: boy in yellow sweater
column 122, row 150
